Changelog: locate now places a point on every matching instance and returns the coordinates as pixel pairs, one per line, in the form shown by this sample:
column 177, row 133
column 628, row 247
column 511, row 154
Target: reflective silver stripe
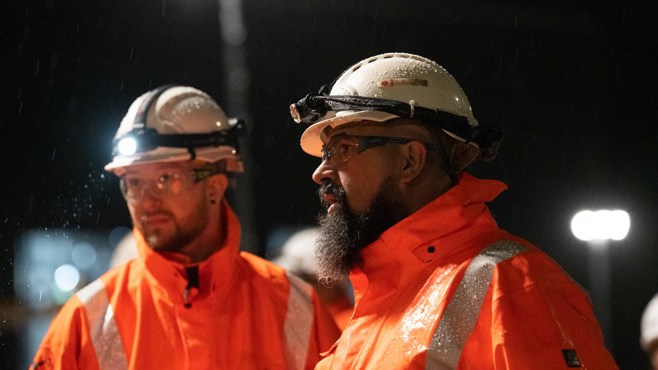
column 299, row 321
column 104, row 333
column 461, row 314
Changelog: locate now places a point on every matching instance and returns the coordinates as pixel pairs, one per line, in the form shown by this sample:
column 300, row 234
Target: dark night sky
column 572, row 83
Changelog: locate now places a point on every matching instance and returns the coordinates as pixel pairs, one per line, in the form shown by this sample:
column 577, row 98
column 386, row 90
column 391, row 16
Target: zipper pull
column 192, row 282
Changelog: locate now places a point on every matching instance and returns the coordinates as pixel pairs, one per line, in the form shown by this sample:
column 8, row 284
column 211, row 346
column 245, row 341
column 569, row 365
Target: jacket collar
column 423, row 237
column 216, row 273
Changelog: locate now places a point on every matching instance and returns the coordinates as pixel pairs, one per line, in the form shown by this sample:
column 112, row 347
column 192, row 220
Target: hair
column 441, row 157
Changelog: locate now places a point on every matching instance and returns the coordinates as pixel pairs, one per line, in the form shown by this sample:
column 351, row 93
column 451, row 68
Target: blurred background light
column 51, row 265
column 66, row 277
column 600, row 225
column 83, row 255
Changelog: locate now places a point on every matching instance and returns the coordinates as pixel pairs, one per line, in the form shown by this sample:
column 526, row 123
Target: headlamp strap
column 314, row 106
column 143, row 110
column 192, row 153
column 149, row 138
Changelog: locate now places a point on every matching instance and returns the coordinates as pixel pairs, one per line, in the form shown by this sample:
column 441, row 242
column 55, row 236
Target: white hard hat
column 176, row 123
column 297, row 253
column 401, row 77
column 649, row 324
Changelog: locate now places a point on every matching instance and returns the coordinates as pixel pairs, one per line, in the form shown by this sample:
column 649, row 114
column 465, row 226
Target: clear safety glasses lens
column 169, row 182
column 342, row 148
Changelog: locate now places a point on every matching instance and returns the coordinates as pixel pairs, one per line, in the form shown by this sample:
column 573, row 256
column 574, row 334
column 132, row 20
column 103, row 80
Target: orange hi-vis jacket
column 238, row 312
column 445, row 288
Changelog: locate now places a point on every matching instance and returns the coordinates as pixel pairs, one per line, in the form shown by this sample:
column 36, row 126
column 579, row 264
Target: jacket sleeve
column 324, row 332
column 67, row 344
column 547, row 325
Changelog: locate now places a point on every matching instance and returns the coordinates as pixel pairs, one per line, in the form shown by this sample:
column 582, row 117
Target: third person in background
column 649, row 331
column 297, row 256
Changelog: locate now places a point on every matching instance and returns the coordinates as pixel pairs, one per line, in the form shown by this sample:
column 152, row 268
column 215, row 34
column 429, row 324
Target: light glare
column 600, row 225
column 127, row 146
column 67, row 277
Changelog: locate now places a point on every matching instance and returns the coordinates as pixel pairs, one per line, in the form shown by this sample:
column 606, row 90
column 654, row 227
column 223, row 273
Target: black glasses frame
column 367, row 142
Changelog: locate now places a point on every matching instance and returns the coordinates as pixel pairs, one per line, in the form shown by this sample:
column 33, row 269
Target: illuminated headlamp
column 313, row 107
column 146, row 139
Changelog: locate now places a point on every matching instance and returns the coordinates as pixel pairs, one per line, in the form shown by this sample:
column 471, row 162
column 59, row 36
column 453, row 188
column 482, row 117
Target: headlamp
column 314, row 106
column 126, row 146
column 145, row 139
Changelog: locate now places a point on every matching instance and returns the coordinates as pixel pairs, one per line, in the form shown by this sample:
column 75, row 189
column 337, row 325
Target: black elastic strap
column 143, row 110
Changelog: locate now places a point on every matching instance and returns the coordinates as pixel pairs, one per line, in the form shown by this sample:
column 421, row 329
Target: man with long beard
column 437, row 284
column 190, row 300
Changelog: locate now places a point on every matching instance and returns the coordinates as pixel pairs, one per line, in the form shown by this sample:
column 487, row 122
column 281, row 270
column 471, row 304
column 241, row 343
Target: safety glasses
column 166, row 182
column 342, row 148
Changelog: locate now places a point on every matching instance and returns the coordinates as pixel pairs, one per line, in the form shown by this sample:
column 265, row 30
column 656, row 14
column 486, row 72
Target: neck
column 209, row 243
column 209, row 240
column 424, row 192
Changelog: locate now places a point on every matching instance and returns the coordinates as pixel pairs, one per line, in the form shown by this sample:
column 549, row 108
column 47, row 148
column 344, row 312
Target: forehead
column 156, row 167
column 369, row 128
column 356, row 128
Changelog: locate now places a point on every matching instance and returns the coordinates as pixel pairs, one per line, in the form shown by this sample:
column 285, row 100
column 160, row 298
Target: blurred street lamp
column 597, row 228
column 233, row 32
column 600, row 225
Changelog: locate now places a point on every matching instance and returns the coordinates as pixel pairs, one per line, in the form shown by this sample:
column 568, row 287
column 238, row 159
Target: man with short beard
column 437, row 283
column 190, row 300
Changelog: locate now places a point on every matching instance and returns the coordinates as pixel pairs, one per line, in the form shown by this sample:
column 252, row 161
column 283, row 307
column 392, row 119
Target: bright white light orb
column 127, row 146
column 67, row 277
column 601, row 225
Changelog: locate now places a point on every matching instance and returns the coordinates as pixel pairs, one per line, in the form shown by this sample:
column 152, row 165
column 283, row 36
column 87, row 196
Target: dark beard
column 343, row 234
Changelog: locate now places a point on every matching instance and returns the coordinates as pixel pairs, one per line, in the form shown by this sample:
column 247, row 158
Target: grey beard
column 344, row 234
column 337, row 246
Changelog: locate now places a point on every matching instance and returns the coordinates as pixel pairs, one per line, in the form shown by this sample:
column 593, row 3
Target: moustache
column 330, row 189
column 157, row 213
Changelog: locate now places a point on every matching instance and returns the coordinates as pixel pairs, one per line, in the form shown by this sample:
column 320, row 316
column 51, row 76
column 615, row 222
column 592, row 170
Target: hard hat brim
column 311, row 140
column 209, row 155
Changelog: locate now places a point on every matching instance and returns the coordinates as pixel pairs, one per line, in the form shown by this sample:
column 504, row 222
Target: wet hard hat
column 390, row 86
column 176, row 123
column 297, row 253
column 649, row 324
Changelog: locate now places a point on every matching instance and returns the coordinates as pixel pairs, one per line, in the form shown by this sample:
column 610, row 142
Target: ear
column 464, row 154
column 216, row 187
column 414, row 160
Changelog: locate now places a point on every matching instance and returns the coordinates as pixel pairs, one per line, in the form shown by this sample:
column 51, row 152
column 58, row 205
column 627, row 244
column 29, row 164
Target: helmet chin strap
column 453, row 167
column 460, row 158
column 192, row 152
column 445, row 156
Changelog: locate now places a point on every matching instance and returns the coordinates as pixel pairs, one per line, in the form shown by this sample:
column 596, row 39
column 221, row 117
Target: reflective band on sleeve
column 461, row 314
column 104, row 333
column 299, row 320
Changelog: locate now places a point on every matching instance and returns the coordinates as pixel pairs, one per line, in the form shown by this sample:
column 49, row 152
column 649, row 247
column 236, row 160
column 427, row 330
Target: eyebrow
column 164, row 167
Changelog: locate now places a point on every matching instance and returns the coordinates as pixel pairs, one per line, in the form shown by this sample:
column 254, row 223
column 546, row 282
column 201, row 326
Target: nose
column 153, row 189
column 151, row 195
column 150, row 201
column 323, row 172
